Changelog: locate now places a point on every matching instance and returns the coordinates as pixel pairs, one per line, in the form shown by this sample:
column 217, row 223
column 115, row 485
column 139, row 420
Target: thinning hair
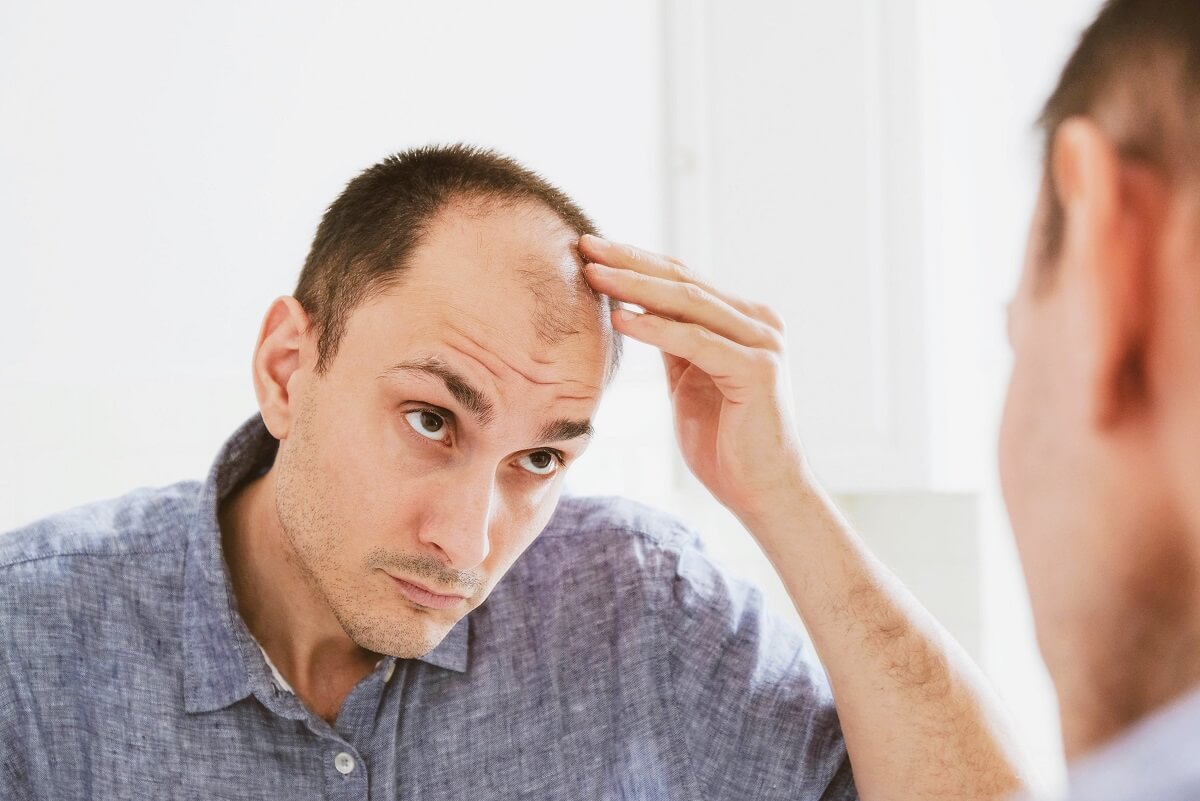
column 1136, row 69
column 367, row 237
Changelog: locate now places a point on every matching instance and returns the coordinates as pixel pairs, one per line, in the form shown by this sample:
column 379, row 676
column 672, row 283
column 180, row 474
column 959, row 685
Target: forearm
column 919, row 720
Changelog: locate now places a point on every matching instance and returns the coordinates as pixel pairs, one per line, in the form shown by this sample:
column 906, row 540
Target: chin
column 390, row 626
column 410, row 634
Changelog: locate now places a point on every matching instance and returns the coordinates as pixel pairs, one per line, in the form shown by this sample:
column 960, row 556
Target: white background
column 867, row 166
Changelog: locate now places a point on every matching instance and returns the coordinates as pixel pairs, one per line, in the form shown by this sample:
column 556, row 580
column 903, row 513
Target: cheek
column 1022, row 458
column 1011, row 435
column 1032, row 461
column 518, row 524
column 371, row 483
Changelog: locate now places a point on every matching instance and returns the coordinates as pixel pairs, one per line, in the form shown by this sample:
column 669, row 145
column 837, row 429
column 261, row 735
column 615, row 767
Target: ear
column 1111, row 215
column 277, row 358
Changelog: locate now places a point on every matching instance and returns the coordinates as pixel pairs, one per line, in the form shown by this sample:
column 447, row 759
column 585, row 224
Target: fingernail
column 624, row 315
column 596, row 243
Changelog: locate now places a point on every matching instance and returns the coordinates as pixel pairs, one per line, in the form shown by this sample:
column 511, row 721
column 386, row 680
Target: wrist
column 785, row 505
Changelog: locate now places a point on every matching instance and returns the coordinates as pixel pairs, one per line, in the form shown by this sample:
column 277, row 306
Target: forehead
column 478, row 236
column 501, row 286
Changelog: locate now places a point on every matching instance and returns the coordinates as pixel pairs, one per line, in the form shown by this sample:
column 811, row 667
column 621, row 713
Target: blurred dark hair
column 1145, row 56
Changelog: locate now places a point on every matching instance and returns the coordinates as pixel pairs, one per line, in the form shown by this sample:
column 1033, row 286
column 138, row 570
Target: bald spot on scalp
column 565, row 305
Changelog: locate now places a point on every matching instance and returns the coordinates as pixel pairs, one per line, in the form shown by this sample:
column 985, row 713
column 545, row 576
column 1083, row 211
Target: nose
column 458, row 520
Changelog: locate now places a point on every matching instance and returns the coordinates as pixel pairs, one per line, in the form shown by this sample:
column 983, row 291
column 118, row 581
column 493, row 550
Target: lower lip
column 423, row 597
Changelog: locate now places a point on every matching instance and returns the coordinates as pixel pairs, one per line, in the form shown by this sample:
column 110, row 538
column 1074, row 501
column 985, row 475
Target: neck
column 1139, row 659
column 282, row 607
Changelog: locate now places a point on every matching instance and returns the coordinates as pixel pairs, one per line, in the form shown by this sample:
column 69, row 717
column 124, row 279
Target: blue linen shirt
column 614, row 660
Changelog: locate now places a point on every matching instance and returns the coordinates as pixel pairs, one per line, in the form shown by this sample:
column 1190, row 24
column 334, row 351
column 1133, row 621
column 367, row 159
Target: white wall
column 164, row 167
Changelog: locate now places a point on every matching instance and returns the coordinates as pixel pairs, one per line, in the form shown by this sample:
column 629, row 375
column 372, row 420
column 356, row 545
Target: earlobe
column 277, row 359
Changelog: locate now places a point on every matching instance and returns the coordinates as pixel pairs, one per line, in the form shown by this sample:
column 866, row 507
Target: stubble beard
column 312, row 536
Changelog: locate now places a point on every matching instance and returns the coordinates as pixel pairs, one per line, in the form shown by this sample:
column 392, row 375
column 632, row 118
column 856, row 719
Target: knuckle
column 681, row 270
column 629, row 253
column 685, row 273
column 678, row 270
column 776, row 342
column 705, row 336
column 772, row 317
column 768, row 362
column 694, row 295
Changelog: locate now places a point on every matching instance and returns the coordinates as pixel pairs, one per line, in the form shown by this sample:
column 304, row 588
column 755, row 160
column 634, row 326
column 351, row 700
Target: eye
column 428, row 424
column 541, row 463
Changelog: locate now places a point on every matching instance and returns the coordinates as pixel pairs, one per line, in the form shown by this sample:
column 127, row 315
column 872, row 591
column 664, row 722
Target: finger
column 674, row 367
column 738, row 371
column 628, row 257
column 683, row 302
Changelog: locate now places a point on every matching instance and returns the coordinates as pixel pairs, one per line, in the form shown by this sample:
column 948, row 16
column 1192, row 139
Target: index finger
column 616, row 254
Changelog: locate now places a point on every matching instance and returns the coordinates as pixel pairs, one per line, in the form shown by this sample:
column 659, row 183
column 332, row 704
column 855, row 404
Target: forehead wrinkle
column 494, row 373
column 554, row 431
column 488, row 350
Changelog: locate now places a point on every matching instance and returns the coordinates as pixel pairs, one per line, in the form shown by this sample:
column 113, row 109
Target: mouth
column 423, row 596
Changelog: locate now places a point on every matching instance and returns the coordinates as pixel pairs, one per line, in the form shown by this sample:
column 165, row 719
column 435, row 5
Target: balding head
column 368, row 235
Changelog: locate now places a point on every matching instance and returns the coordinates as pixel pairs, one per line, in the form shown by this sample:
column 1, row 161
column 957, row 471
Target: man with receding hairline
column 1100, row 448
column 378, row 593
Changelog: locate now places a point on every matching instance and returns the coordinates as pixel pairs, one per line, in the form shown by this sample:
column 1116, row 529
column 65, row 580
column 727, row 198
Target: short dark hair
column 368, row 234
column 1145, row 55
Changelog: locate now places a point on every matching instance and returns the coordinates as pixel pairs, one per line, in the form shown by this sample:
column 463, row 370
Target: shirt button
column 344, row 763
column 387, row 674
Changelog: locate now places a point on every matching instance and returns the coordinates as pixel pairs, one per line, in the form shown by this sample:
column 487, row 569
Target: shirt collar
column 222, row 661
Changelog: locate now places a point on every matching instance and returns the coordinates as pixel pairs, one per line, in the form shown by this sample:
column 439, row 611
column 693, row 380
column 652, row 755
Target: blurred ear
column 1111, row 215
column 277, row 360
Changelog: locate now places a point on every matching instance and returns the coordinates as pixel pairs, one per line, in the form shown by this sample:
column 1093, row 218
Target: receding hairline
column 563, row 301
column 367, row 236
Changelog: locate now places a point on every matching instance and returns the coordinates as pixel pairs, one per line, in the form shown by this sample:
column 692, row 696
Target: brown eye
column 540, row 463
column 428, row 424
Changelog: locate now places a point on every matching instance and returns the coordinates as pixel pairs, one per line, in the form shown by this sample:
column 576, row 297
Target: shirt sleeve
column 752, row 703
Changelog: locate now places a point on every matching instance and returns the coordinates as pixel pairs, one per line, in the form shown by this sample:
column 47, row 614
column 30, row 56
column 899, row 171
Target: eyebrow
column 480, row 406
column 565, row 429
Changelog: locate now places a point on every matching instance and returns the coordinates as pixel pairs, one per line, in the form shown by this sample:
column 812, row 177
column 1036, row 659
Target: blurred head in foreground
column 1100, row 446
